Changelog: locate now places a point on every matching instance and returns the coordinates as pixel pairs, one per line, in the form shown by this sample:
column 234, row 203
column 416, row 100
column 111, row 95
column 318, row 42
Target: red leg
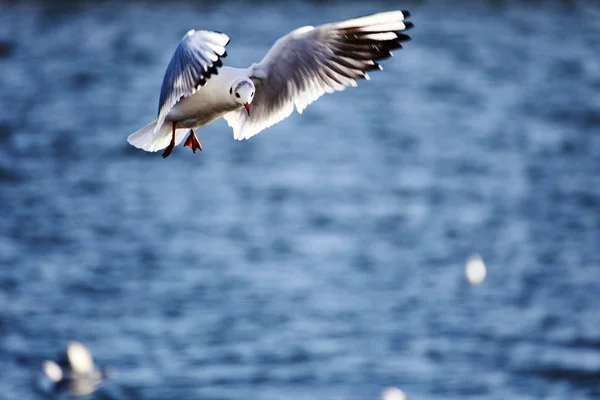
column 171, row 145
column 193, row 142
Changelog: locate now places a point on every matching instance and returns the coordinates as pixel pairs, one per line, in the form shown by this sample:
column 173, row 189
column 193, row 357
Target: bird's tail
column 146, row 139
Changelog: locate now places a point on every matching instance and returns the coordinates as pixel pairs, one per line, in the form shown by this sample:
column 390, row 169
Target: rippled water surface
column 323, row 258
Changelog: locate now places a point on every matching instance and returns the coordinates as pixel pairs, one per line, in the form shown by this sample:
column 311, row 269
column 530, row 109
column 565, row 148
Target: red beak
column 247, row 108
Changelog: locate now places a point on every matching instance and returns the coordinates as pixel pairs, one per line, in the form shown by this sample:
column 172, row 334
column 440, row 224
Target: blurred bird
column 475, row 269
column 393, row 393
column 299, row 68
column 74, row 371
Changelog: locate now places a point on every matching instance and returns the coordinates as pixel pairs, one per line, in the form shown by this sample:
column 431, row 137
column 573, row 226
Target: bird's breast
column 203, row 107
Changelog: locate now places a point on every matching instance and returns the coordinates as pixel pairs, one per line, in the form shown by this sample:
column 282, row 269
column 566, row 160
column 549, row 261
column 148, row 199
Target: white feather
column 311, row 61
column 146, row 139
column 374, row 19
column 190, row 68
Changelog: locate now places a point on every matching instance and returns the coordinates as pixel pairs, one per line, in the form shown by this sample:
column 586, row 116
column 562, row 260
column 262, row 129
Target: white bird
column 298, row 69
column 393, row 393
column 475, row 269
column 75, row 371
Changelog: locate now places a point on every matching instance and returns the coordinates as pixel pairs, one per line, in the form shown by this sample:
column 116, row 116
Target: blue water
column 323, row 258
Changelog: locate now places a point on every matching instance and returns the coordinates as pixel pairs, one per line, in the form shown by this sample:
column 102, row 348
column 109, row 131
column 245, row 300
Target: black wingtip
column 406, row 13
column 408, row 25
column 224, row 54
column 402, row 37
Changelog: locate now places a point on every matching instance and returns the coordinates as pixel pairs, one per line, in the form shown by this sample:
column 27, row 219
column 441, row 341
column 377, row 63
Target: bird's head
column 242, row 92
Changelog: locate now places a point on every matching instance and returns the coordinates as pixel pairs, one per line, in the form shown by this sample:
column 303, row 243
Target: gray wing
column 309, row 62
column 196, row 58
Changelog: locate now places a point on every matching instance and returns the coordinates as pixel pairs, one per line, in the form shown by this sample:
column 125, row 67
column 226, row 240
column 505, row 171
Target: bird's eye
column 252, row 94
column 237, row 95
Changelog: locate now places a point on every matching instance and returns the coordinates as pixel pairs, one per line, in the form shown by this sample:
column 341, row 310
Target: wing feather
column 196, row 59
column 309, row 62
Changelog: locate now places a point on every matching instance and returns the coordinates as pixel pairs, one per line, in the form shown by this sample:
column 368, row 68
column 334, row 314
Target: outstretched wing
column 309, row 62
column 196, row 58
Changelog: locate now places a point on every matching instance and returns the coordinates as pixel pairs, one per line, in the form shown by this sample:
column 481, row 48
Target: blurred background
column 325, row 257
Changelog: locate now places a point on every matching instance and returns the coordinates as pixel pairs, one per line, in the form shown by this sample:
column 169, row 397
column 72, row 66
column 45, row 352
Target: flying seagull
column 300, row 67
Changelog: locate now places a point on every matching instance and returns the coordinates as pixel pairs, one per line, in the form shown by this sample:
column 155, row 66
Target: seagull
column 75, row 371
column 298, row 69
column 393, row 393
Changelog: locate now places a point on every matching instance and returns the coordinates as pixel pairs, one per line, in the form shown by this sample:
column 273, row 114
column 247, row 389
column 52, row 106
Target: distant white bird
column 300, row 67
column 75, row 371
column 475, row 269
column 393, row 393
